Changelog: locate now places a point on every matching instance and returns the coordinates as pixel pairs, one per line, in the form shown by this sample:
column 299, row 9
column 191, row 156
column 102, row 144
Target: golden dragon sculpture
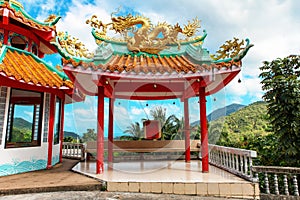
column 141, row 35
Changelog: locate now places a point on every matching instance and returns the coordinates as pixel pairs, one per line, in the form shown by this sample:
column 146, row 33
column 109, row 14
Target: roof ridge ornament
column 141, row 36
column 17, row 3
column 71, row 46
column 232, row 50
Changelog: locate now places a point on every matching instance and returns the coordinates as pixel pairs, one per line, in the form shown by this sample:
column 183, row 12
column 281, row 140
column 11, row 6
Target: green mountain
column 221, row 112
column 237, row 128
column 71, row 134
column 21, row 123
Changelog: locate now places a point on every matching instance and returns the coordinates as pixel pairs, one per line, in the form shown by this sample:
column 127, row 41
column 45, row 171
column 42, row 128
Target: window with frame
column 57, row 120
column 24, row 121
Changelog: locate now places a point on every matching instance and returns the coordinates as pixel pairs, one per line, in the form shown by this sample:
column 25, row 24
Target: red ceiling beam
column 148, row 97
column 5, row 81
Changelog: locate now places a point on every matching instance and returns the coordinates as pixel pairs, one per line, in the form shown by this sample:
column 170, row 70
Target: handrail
column 73, row 150
column 234, row 160
column 276, row 169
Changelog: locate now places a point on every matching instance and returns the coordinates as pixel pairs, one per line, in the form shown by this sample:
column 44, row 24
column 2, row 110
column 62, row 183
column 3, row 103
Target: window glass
column 24, row 119
column 57, row 121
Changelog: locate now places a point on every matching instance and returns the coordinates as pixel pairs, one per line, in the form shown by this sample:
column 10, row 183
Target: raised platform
column 170, row 177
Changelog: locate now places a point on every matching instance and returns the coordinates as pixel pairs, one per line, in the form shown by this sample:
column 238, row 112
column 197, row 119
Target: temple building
column 141, row 62
column 149, row 62
column 32, row 92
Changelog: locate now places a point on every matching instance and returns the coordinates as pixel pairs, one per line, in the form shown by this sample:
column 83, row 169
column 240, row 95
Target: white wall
column 18, row 160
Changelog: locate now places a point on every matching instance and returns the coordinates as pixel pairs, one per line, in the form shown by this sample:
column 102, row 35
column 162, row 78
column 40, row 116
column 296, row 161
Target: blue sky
column 273, row 26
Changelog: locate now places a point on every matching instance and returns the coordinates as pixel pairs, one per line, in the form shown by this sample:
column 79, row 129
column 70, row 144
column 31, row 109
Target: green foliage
column 172, row 127
column 135, row 132
column 248, row 128
column 281, row 81
column 90, row 135
column 21, row 135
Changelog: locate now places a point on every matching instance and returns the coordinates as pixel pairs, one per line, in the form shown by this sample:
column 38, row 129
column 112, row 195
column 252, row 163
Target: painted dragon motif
column 141, row 35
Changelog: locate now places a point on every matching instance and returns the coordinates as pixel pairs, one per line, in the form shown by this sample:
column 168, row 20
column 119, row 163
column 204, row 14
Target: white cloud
column 272, row 26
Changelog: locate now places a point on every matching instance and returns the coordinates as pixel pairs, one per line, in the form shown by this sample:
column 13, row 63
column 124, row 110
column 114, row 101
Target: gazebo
column 149, row 63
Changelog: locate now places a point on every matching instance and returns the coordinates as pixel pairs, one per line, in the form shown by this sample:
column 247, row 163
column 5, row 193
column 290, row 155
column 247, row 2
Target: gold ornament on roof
column 50, row 18
column 141, row 35
column 73, row 46
column 230, row 49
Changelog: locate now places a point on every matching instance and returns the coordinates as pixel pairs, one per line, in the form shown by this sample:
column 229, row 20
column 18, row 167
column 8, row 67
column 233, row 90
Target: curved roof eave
column 27, row 19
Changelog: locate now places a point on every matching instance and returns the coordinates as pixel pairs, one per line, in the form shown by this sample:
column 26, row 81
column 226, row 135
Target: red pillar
column 187, row 131
column 51, row 130
column 62, row 118
column 111, row 130
column 100, row 132
column 204, row 132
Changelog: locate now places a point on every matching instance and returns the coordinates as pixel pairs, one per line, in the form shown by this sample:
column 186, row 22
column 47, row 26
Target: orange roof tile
column 24, row 67
column 152, row 64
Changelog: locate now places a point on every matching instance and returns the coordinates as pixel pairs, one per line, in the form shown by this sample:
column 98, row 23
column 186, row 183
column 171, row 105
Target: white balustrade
column 234, row 160
column 72, row 150
column 287, row 176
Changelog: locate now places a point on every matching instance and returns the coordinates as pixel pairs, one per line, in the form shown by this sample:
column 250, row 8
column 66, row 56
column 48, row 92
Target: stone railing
column 73, row 150
column 277, row 182
column 233, row 160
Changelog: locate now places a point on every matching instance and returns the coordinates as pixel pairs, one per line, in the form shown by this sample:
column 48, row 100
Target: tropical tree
column 171, row 126
column 90, row 135
column 159, row 113
column 135, row 131
column 281, row 81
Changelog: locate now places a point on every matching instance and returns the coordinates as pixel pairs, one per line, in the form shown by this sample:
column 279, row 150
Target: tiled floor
column 175, row 177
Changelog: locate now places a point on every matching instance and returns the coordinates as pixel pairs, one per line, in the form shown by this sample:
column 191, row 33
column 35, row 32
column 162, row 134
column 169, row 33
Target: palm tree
column 135, row 131
column 170, row 126
column 159, row 113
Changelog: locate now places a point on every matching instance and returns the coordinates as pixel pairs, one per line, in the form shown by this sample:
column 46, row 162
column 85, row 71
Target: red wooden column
column 187, row 131
column 62, row 118
column 204, row 132
column 51, row 130
column 111, row 130
column 100, row 132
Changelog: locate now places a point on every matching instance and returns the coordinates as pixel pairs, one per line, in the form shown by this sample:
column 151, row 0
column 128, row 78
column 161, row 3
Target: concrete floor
column 170, row 177
column 59, row 178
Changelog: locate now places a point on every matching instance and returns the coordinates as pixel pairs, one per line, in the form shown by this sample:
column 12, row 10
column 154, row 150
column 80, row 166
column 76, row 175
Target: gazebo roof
column 149, row 62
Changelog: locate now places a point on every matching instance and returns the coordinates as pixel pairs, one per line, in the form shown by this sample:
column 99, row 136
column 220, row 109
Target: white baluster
column 227, row 159
column 237, row 162
column 257, row 177
column 233, row 161
column 267, row 183
column 285, row 183
column 276, row 184
column 246, row 165
column 296, row 192
column 242, row 163
column 250, row 166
